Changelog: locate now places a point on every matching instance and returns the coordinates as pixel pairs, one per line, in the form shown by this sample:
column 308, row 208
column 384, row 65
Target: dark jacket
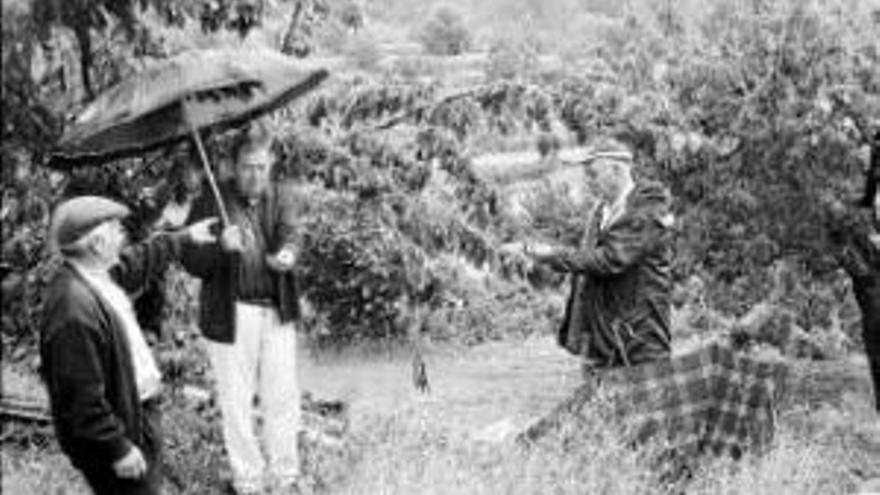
column 618, row 310
column 219, row 269
column 855, row 252
column 86, row 360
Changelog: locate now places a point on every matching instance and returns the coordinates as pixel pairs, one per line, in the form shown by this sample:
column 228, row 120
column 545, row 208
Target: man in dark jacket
column 103, row 381
column 249, row 305
column 618, row 311
column 855, row 236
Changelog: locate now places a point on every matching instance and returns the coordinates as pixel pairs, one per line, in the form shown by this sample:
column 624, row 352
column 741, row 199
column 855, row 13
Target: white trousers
column 261, row 361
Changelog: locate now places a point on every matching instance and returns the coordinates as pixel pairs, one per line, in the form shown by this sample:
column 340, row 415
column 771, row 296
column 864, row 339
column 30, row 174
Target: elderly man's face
column 608, row 179
column 252, row 172
column 110, row 241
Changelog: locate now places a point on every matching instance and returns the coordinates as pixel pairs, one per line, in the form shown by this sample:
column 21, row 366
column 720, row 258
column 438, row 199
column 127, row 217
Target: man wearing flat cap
column 618, row 310
column 102, row 379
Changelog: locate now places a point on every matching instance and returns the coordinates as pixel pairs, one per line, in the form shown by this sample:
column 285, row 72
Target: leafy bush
column 414, row 69
column 356, row 267
column 470, row 306
column 748, row 114
column 445, row 33
column 511, row 57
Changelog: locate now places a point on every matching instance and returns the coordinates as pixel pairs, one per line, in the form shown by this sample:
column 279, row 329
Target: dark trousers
column 867, row 293
column 104, row 481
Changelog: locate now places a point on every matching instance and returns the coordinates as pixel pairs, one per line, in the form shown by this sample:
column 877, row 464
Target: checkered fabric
column 712, row 400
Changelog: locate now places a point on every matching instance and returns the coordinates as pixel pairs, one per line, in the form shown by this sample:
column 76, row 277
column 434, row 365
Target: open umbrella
column 179, row 97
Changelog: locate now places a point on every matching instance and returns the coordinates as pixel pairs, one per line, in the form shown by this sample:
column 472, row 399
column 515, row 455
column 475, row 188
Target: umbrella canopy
column 164, row 103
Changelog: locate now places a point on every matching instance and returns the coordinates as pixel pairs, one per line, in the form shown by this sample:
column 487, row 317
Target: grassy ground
column 457, row 439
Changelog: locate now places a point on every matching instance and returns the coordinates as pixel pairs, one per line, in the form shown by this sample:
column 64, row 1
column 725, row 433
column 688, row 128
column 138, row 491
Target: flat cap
column 75, row 217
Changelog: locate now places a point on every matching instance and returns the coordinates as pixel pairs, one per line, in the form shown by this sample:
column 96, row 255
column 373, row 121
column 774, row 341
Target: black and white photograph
column 440, row 247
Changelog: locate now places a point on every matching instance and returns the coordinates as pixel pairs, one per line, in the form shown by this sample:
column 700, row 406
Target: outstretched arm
column 201, row 260
column 147, row 260
column 623, row 245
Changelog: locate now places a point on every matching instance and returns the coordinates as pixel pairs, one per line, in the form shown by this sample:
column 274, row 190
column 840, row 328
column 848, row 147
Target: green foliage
column 445, row 33
column 414, row 69
column 511, row 57
column 364, row 52
column 471, row 306
column 350, row 14
column 554, row 216
column 749, row 115
column 748, row 112
column 321, row 24
column 356, row 267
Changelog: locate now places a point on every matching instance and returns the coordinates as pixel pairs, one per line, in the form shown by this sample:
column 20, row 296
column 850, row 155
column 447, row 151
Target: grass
column 826, row 450
column 458, row 439
column 408, row 453
column 38, row 469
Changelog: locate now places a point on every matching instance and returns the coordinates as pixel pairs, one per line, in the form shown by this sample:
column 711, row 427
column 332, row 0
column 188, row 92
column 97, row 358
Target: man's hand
column 539, row 250
column 530, row 251
column 307, row 310
column 513, row 248
column 232, row 239
column 283, row 261
column 200, row 232
column 132, row 465
column 546, row 254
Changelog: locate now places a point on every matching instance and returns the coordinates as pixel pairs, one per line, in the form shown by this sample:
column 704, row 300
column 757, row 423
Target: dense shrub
column 445, row 33
column 511, row 57
column 356, row 267
column 748, row 113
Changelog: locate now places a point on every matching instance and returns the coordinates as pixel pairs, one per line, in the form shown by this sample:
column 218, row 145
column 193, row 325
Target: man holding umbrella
column 249, row 304
column 249, row 299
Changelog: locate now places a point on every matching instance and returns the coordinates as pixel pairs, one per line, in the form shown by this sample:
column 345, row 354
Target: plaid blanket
column 712, row 400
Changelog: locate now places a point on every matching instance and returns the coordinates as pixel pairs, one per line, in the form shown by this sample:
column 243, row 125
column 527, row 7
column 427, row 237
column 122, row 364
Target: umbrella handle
column 221, row 206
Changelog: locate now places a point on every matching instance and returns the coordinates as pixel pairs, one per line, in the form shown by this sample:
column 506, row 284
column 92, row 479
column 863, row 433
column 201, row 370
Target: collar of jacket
column 612, row 212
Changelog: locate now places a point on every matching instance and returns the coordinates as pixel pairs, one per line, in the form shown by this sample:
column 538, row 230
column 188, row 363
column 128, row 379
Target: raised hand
column 539, row 249
column 283, row 261
column 232, row 239
column 200, row 232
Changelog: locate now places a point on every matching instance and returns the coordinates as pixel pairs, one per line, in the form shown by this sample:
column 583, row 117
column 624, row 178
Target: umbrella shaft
column 221, row 206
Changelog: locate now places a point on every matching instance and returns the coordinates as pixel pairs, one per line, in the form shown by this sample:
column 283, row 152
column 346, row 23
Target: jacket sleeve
column 202, row 259
column 623, row 245
column 76, row 385
column 851, row 245
column 288, row 218
column 855, row 257
column 147, row 260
